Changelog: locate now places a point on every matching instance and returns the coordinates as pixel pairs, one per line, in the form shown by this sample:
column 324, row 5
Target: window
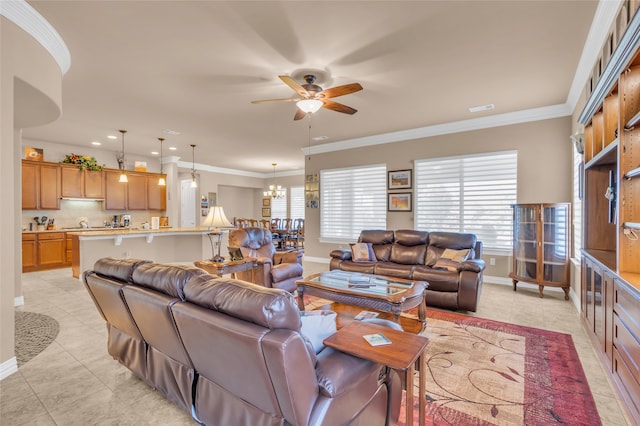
column 351, row 200
column 279, row 207
column 296, row 203
column 471, row 193
column 577, row 204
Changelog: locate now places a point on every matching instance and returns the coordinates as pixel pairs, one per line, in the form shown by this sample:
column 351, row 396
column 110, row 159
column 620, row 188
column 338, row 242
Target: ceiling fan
column 313, row 97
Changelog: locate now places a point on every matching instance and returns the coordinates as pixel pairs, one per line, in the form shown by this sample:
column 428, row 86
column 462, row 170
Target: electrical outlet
column 127, row 254
column 492, row 261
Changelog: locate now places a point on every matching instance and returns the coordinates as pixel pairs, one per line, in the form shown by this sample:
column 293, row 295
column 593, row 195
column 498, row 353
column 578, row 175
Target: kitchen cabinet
column 40, row 185
column 541, row 236
column 76, row 183
column 156, row 194
column 125, row 196
column 44, row 250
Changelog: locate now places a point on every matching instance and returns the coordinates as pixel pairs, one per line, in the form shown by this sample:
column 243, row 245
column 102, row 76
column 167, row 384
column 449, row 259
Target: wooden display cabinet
column 541, row 236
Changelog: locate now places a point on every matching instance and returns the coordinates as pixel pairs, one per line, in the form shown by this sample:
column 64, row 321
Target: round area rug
column 34, row 332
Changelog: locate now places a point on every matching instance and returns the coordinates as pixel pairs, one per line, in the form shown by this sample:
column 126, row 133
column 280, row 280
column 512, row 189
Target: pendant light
column 161, row 181
column 123, row 176
column 275, row 191
column 194, row 184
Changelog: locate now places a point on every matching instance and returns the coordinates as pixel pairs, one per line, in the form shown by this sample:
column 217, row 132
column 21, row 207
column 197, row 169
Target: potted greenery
column 85, row 162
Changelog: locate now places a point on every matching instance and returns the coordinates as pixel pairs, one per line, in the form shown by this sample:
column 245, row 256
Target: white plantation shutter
column 471, row 193
column 296, row 204
column 351, row 200
column 279, row 207
column 577, row 205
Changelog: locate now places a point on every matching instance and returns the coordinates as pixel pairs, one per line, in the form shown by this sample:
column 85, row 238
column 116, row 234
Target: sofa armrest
column 287, row 257
column 473, row 265
column 341, row 253
column 338, row 372
column 264, row 261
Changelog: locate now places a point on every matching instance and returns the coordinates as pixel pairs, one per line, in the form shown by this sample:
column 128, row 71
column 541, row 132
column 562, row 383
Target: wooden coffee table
column 376, row 292
column 400, row 355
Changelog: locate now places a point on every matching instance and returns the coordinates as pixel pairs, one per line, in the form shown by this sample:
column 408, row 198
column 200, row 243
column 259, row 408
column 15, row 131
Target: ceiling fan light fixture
column 309, row 105
column 194, row 183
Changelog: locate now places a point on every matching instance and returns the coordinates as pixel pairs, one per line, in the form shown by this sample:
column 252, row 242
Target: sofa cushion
column 362, row 267
column 411, row 237
column 438, row 279
column 439, row 241
column 381, row 242
column 391, row 269
column 451, row 259
column 284, row 271
column 120, row 269
column 167, row 279
column 269, row 307
column 408, row 255
column 363, row 252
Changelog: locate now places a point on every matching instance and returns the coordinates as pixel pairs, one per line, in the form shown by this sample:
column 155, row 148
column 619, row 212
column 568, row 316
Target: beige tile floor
column 75, row 382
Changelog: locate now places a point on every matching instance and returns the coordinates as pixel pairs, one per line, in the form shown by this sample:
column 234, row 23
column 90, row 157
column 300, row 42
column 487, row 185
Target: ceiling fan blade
column 334, row 92
column 300, row 114
column 335, row 106
column 294, row 85
column 275, row 100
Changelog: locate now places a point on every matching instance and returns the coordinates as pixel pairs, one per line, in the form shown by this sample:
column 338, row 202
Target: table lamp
column 216, row 219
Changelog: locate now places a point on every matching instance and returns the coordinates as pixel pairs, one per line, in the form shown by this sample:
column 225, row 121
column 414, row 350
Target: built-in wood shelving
column 632, row 173
column 609, row 155
column 631, row 225
column 632, row 122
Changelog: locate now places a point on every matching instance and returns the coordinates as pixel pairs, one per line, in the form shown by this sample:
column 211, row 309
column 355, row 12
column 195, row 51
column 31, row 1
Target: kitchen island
column 164, row 245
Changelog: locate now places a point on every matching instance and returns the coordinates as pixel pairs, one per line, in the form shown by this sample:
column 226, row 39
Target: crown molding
column 26, row 17
column 213, row 169
column 524, row 116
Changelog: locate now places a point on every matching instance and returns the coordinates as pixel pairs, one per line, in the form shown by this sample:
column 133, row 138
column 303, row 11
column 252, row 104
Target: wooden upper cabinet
column 40, row 186
column 137, row 191
column 115, row 192
column 30, row 187
column 156, row 194
column 78, row 183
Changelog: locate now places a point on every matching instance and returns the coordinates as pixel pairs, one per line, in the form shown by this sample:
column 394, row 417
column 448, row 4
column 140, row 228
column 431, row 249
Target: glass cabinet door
column 555, row 247
column 525, row 238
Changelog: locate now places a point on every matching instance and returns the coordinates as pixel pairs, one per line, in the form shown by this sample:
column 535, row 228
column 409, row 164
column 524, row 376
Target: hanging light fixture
column 194, row 184
column 309, row 105
column 123, row 176
column 275, row 191
column 161, row 180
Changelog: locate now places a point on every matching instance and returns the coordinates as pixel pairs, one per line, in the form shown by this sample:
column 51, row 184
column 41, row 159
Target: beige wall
column 30, row 79
column 544, row 169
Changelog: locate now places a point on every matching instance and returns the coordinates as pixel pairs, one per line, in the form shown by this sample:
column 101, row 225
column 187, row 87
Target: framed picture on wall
column 399, row 202
column 266, row 202
column 399, row 179
column 266, row 212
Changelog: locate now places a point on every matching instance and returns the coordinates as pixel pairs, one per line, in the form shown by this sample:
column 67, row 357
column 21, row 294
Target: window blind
column 351, row 200
column 296, row 203
column 279, row 207
column 471, row 193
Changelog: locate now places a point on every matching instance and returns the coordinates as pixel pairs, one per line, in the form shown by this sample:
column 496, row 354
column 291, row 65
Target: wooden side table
column 400, row 355
column 228, row 266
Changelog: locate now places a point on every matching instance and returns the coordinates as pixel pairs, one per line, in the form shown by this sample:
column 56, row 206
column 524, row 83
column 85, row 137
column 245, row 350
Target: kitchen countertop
column 118, row 231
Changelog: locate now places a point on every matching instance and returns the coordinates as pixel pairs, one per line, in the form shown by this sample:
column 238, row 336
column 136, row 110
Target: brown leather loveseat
column 231, row 352
column 416, row 255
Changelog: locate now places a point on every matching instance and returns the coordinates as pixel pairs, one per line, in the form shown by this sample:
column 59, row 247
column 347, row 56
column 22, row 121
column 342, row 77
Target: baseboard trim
column 8, row 367
column 323, row 260
column 18, row 301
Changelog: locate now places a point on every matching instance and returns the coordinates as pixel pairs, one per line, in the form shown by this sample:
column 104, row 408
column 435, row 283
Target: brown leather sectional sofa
column 230, row 352
column 412, row 254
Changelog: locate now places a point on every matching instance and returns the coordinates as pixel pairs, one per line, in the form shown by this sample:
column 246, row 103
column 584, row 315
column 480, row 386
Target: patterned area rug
column 34, row 332
column 483, row 372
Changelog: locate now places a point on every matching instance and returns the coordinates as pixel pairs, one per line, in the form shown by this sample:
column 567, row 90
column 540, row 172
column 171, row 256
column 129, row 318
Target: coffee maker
column 125, row 220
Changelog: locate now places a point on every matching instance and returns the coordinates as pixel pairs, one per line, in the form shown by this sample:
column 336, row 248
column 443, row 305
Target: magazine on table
column 377, row 339
column 366, row 315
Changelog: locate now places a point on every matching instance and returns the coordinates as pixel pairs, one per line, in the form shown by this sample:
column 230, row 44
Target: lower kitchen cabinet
column 44, row 250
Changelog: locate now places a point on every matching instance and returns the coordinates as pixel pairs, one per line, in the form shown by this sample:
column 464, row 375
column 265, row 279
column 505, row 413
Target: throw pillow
column 451, row 259
column 317, row 326
column 362, row 252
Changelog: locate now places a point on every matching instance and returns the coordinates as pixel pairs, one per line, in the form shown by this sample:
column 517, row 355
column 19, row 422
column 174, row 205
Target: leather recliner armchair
column 275, row 269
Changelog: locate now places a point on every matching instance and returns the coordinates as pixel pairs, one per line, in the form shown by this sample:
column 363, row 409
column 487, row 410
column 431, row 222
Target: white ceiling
column 195, row 66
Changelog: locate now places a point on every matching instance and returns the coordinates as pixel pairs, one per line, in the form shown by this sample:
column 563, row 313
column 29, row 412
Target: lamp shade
column 309, row 105
column 216, row 218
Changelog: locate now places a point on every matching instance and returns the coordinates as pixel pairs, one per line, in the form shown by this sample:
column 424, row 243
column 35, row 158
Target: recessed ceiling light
column 96, row 143
column 320, row 138
column 172, row 148
column 154, row 153
column 171, row 132
column 482, row 108
column 112, row 137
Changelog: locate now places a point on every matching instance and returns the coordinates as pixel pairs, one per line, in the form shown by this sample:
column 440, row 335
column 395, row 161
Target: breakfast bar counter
column 164, row 245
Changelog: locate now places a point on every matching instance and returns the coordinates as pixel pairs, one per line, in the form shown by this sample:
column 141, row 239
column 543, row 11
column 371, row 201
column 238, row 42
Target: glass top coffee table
column 376, row 292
